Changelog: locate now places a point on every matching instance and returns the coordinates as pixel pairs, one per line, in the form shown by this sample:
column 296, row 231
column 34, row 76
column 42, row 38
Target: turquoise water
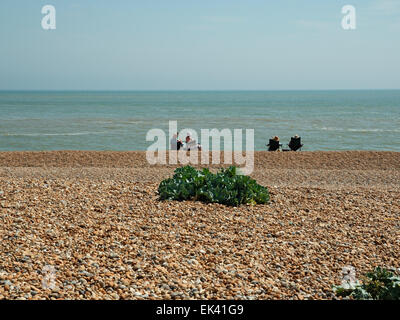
column 326, row 120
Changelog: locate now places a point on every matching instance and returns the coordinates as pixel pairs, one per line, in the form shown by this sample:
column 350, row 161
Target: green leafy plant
column 379, row 284
column 225, row 187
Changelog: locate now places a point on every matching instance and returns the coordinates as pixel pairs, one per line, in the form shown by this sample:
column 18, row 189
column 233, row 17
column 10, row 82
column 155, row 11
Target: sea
column 111, row 120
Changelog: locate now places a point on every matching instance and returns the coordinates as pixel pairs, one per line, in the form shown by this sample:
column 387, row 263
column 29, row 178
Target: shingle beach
column 94, row 220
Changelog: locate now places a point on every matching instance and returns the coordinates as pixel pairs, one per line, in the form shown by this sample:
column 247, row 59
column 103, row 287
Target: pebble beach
column 94, row 219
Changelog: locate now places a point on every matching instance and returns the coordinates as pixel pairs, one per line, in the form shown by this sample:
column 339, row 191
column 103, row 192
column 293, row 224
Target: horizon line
column 188, row 90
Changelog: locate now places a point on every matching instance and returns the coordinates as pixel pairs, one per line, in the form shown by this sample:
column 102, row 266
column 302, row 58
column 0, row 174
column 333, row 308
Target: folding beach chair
column 295, row 143
column 273, row 145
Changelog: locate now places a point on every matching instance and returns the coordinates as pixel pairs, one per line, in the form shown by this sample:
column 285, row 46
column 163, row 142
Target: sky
column 199, row 45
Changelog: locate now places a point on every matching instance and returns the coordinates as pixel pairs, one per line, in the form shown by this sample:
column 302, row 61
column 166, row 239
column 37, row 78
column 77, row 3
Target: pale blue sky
column 199, row 45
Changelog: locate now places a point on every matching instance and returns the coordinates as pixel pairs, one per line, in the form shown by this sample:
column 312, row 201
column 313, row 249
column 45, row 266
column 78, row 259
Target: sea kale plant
column 225, row 187
column 379, row 284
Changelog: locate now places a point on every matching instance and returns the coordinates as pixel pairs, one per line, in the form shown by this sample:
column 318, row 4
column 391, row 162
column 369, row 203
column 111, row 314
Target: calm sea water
column 326, row 120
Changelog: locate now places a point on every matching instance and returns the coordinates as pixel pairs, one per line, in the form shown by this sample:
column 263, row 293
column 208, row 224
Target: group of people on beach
column 294, row 144
column 273, row 145
column 177, row 144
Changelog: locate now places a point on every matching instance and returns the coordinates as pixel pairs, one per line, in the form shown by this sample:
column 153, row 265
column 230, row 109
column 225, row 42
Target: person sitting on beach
column 176, row 143
column 295, row 143
column 274, row 144
column 190, row 143
column 276, row 138
column 179, row 144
